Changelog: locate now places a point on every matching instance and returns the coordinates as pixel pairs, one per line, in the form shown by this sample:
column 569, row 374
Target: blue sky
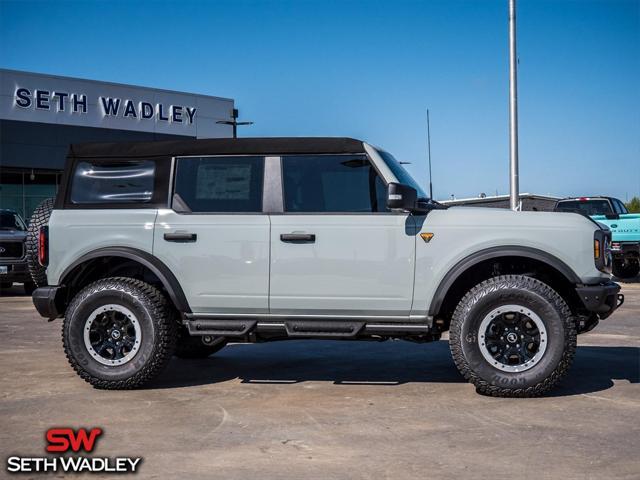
column 370, row 70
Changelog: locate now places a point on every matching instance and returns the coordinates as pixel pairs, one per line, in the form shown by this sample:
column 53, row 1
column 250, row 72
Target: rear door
column 215, row 238
column 336, row 250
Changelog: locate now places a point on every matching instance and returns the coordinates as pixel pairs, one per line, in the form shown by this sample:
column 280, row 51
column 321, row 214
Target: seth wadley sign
column 59, row 101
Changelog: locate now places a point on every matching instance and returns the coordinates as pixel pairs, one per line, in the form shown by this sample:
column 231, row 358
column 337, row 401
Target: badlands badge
column 67, row 444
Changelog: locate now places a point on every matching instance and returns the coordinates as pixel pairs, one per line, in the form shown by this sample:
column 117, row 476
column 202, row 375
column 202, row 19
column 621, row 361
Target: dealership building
column 41, row 115
column 529, row 202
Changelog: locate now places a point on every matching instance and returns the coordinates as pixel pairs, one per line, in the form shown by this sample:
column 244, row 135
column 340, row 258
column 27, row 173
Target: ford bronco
column 175, row 248
column 624, row 226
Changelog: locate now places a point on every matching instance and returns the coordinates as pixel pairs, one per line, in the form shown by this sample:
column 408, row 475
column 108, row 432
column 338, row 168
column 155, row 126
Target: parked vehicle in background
column 177, row 247
column 13, row 262
column 624, row 226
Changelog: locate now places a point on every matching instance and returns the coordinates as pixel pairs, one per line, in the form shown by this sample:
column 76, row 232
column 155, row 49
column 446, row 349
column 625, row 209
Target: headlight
column 602, row 250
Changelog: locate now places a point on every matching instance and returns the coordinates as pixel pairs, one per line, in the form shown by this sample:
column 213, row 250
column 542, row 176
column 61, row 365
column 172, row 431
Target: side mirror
column 401, row 197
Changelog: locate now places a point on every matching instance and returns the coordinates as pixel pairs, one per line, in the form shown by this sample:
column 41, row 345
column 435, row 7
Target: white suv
column 163, row 248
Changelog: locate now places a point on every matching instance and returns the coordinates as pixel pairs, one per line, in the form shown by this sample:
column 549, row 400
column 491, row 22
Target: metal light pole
column 234, row 123
column 429, row 154
column 514, row 197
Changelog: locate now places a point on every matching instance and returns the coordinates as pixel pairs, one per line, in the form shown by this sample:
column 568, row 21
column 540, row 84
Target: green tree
column 633, row 205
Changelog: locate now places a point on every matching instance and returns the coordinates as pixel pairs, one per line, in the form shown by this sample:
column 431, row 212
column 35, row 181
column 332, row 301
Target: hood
column 502, row 217
column 626, row 228
column 12, row 235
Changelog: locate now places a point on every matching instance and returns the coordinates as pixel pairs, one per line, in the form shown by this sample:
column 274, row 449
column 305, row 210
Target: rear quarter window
column 117, row 182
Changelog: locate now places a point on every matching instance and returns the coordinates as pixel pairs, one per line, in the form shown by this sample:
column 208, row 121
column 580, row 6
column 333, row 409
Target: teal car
column 624, row 226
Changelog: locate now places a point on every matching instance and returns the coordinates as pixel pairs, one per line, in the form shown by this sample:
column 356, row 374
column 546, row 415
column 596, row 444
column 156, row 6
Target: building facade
column 41, row 115
column 529, row 202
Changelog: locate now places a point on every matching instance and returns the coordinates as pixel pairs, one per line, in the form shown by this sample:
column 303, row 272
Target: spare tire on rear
column 40, row 218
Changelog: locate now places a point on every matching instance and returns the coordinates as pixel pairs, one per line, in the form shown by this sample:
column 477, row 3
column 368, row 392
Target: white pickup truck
column 163, row 248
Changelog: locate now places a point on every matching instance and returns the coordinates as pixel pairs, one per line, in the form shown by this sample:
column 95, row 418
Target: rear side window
column 113, row 182
column 220, row 184
column 620, row 208
column 588, row 207
column 332, row 183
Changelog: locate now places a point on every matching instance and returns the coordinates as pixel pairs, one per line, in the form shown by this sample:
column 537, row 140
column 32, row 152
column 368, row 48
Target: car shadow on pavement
column 17, row 290
column 626, row 280
column 380, row 364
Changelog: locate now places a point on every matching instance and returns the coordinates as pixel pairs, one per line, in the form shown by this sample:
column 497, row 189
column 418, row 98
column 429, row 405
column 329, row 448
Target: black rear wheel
column 119, row 333
column 513, row 336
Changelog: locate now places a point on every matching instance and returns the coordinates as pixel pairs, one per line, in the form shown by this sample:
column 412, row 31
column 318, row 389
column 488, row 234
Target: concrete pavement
column 331, row 409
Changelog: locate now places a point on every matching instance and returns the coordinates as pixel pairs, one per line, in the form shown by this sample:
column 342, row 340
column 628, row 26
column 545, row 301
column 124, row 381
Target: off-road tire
column 192, row 347
column 538, row 297
column 628, row 269
column 157, row 322
column 40, row 218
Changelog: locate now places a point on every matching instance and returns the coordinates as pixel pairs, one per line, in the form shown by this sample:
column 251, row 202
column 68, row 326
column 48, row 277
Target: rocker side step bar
column 305, row 328
column 220, row 327
column 294, row 328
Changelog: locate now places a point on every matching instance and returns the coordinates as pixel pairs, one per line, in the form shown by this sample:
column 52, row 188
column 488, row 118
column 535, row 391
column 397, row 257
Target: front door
column 215, row 238
column 336, row 250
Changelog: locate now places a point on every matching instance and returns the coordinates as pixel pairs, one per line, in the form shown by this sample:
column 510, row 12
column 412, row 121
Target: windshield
column 588, row 207
column 401, row 174
column 11, row 221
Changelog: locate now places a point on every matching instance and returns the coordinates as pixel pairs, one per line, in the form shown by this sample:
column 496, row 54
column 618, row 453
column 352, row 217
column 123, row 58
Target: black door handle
column 298, row 237
column 181, row 237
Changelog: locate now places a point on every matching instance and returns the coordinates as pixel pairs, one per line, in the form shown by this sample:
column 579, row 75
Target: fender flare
column 495, row 252
column 159, row 269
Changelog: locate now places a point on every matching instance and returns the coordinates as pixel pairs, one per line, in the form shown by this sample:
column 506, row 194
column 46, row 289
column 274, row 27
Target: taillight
column 43, row 246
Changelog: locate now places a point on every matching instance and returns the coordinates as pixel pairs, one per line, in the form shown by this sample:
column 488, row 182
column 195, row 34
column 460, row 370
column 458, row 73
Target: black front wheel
column 513, row 336
column 626, row 268
column 119, row 333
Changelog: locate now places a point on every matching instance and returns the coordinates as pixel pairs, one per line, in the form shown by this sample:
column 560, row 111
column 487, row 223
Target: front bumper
column 602, row 299
column 48, row 301
column 625, row 249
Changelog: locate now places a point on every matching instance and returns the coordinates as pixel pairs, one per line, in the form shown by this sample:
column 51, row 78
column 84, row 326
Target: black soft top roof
column 218, row 146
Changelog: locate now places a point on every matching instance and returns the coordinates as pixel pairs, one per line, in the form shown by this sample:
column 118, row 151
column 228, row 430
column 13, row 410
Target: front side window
column 113, row 182
column 220, row 184
column 332, row 183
